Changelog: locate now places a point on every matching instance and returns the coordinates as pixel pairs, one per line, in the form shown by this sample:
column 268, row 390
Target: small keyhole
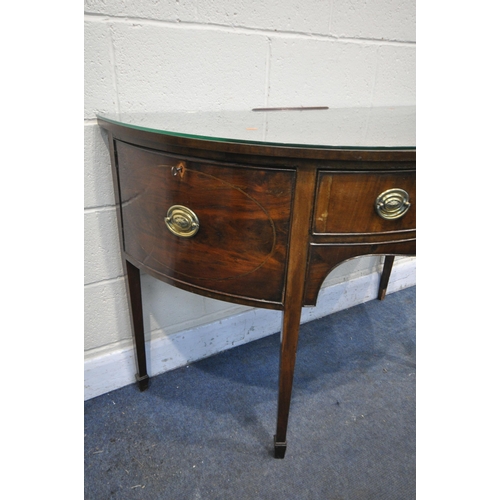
column 178, row 170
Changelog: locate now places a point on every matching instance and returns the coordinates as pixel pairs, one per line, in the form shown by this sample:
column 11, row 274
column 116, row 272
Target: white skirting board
column 117, row 369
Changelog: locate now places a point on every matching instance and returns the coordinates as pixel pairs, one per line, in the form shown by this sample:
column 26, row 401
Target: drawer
column 239, row 215
column 346, row 202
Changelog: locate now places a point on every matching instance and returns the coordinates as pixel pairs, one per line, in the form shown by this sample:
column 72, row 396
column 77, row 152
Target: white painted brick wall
column 206, row 54
column 187, row 68
column 321, row 72
column 101, row 241
column 100, row 92
column 98, row 185
column 378, row 20
column 106, row 315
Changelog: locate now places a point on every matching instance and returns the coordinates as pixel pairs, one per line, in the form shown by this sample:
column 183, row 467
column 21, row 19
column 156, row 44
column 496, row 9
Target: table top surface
column 339, row 128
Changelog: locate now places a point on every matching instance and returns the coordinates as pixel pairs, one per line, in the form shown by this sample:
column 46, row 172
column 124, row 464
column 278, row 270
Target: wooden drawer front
column 345, row 202
column 241, row 246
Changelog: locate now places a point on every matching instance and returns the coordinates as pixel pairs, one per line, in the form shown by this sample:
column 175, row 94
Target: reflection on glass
column 377, row 127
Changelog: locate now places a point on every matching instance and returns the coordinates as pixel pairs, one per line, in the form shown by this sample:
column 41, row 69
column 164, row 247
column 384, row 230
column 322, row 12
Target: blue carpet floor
column 206, row 431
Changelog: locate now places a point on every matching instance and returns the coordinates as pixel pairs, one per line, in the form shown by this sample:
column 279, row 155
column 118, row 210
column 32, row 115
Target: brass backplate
column 392, row 204
column 182, row 221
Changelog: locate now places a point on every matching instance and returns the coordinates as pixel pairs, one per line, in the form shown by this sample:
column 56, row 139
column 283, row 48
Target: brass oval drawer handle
column 182, row 221
column 392, row 204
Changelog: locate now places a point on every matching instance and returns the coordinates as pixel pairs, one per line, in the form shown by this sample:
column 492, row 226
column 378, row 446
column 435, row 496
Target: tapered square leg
column 289, row 341
column 292, row 304
column 135, row 301
column 279, row 449
column 386, row 274
column 142, row 382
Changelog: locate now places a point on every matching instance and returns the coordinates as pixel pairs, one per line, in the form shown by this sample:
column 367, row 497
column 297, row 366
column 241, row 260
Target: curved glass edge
column 337, row 128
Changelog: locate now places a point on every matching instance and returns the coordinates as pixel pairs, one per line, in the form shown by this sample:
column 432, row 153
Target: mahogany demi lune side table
column 257, row 207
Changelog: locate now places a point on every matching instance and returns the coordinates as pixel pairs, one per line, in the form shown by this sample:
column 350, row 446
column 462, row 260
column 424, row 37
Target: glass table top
column 345, row 128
